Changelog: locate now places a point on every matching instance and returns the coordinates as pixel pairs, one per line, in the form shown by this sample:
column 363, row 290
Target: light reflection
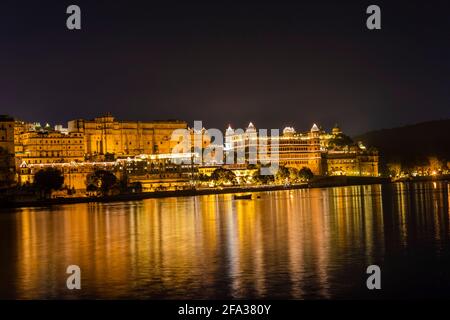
column 286, row 244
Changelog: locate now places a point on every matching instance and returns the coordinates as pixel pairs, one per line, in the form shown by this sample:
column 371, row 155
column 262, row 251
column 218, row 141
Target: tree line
column 104, row 182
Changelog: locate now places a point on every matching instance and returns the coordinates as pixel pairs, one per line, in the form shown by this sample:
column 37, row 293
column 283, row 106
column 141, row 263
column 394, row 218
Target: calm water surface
column 299, row 244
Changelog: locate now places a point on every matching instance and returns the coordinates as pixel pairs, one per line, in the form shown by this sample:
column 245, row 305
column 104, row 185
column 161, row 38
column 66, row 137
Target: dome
column 288, row 130
column 315, row 128
column 229, row 130
column 250, row 128
column 336, row 130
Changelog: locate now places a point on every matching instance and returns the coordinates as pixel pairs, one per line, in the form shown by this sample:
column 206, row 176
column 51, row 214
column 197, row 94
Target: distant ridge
column 412, row 144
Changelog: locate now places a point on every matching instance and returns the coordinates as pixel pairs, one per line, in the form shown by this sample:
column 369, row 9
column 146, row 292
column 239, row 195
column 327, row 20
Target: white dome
column 250, row 128
column 288, row 130
column 315, row 128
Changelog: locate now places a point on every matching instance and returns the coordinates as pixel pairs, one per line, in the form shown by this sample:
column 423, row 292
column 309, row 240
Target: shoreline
column 322, row 182
column 149, row 195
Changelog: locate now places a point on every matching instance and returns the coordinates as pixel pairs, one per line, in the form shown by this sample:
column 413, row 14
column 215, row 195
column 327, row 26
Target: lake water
column 294, row 244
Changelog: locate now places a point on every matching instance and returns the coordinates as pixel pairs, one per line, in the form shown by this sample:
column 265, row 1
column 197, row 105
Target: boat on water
column 242, row 197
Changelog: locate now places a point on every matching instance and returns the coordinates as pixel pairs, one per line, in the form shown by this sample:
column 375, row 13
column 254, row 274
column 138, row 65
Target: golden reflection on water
column 294, row 244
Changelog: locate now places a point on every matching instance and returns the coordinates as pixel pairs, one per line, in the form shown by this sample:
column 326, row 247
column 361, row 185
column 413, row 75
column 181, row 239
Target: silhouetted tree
column 340, row 140
column 282, row 174
column 103, row 181
column 305, row 174
column 48, row 180
column 293, row 174
column 223, row 176
column 6, row 168
column 263, row 179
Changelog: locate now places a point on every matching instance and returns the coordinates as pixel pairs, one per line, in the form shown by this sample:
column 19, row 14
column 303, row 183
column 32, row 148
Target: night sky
column 276, row 64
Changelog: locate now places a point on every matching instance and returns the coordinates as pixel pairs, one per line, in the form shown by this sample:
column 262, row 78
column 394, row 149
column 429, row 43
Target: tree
column 136, row 187
column 394, row 169
column 103, row 181
column 203, row 177
column 282, row 174
column 340, row 140
column 435, row 164
column 223, row 176
column 124, row 182
column 48, row 180
column 262, row 179
column 305, row 174
column 6, row 168
column 293, row 174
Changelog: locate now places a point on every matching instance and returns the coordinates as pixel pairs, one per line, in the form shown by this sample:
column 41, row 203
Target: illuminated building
column 105, row 135
column 44, row 147
column 170, row 181
column 75, row 174
column 207, row 171
column 243, row 173
column 21, row 127
column 154, row 172
column 295, row 150
column 352, row 161
column 200, row 135
column 315, row 149
column 298, row 150
column 343, row 157
column 165, row 172
column 147, row 153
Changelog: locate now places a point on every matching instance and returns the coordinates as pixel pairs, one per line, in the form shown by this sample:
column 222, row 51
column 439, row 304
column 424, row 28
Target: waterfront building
column 295, row 150
column 107, row 136
column 298, row 150
column 324, row 153
column 171, row 181
column 166, row 172
column 44, row 147
column 244, row 173
column 153, row 172
column 352, row 161
column 342, row 156
column 204, row 140
column 75, row 174
column 21, row 127
column 143, row 151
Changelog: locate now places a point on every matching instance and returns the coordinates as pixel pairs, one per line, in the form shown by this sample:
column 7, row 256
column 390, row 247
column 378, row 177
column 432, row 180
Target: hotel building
column 48, row 146
column 314, row 149
column 294, row 149
column 352, row 161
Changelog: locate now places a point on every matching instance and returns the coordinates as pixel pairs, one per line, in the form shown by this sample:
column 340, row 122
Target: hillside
column 413, row 144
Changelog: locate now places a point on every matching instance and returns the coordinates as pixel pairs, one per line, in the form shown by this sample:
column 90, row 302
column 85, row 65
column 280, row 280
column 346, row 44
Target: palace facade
column 49, row 146
column 323, row 153
column 106, row 135
column 84, row 145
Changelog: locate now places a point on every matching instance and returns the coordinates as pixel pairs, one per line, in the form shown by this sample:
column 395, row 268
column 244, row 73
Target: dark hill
column 413, row 144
